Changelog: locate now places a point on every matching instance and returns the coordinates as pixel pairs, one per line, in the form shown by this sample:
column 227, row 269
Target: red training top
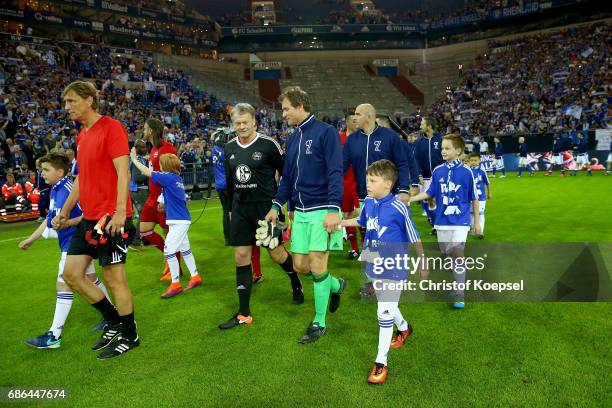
column 350, row 183
column 97, row 147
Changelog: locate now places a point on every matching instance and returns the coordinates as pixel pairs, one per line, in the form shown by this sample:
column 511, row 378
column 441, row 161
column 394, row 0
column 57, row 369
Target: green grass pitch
column 490, row 354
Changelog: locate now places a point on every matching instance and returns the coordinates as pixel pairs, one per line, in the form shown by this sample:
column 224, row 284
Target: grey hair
column 242, row 108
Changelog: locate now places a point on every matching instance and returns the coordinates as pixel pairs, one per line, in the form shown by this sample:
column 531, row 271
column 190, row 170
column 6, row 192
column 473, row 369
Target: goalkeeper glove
column 269, row 235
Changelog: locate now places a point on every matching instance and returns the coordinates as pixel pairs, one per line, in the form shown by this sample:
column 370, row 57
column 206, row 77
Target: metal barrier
column 198, row 177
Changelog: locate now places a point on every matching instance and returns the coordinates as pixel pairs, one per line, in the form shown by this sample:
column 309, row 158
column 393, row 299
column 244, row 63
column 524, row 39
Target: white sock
column 482, row 220
column 91, row 270
column 399, row 321
column 386, row 313
column 63, row 304
column 190, row 262
column 459, row 275
column 100, row 284
column 174, row 267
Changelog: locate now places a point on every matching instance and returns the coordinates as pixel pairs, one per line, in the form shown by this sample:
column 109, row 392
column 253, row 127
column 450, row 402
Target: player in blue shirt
column 220, row 137
column 522, row 154
column 389, row 231
column 582, row 155
column 454, row 188
column 498, row 164
column 177, row 218
column 54, row 169
column 557, row 155
column 427, row 152
column 609, row 161
column 482, row 184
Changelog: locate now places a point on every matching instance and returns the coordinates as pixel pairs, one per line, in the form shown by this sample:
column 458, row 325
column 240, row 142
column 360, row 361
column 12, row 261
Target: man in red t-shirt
column 102, row 188
column 350, row 200
column 153, row 211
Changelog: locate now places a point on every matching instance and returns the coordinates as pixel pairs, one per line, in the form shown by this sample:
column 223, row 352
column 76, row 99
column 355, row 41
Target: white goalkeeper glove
column 269, row 235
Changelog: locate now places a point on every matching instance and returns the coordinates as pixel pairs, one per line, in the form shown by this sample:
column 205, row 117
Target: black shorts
column 114, row 251
column 243, row 222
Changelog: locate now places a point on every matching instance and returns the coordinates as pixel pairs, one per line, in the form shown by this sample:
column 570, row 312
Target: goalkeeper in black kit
column 251, row 162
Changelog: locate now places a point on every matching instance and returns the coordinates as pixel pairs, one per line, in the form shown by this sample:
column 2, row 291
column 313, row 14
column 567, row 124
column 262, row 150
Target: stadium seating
column 335, row 87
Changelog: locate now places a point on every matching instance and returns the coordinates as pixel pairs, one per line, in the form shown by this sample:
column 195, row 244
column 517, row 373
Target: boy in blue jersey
column 313, row 180
column 389, row 231
column 177, row 218
column 454, row 188
column 523, row 163
column 498, row 164
column 372, row 142
column 482, row 184
column 582, row 155
column 428, row 154
column 54, row 169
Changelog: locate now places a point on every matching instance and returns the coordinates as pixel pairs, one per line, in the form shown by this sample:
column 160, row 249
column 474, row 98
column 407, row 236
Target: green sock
column 334, row 286
column 321, row 288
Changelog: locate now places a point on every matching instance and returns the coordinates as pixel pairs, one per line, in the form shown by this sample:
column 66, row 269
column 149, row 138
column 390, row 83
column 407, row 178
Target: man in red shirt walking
column 102, row 188
column 153, row 212
column 350, row 200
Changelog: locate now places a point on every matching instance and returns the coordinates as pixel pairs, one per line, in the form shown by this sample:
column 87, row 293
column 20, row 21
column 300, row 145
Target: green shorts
column 308, row 233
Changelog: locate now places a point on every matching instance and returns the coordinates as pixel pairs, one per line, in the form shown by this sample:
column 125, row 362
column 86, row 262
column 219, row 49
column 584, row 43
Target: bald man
column 372, row 142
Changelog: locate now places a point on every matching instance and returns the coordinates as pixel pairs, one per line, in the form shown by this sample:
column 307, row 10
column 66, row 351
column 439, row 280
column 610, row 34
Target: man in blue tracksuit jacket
column 220, row 137
column 374, row 142
column 428, row 154
column 313, row 179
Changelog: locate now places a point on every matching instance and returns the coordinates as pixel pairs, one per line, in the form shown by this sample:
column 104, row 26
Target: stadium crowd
column 556, row 82
column 132, row 89
column 549, row 83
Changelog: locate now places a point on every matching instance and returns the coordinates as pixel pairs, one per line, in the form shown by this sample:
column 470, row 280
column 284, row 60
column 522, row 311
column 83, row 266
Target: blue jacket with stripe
column 428, row 154
column 361, row 150
column 312, row 174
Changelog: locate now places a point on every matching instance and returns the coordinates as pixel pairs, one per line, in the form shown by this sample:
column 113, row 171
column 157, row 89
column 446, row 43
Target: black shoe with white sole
column 121, row 346
column 109, row 333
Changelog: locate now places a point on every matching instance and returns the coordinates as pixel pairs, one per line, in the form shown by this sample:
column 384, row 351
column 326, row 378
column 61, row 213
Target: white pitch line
column 191, row 211
column 207, row 208
column 13, row 239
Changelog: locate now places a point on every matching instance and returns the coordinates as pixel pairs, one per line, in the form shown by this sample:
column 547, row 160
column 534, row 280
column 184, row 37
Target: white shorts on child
column 481, row 207
column 449, row 239
column 582, row 159
column 60, row 270
column 177, row 239
column 557, row 159
column 523, row 162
